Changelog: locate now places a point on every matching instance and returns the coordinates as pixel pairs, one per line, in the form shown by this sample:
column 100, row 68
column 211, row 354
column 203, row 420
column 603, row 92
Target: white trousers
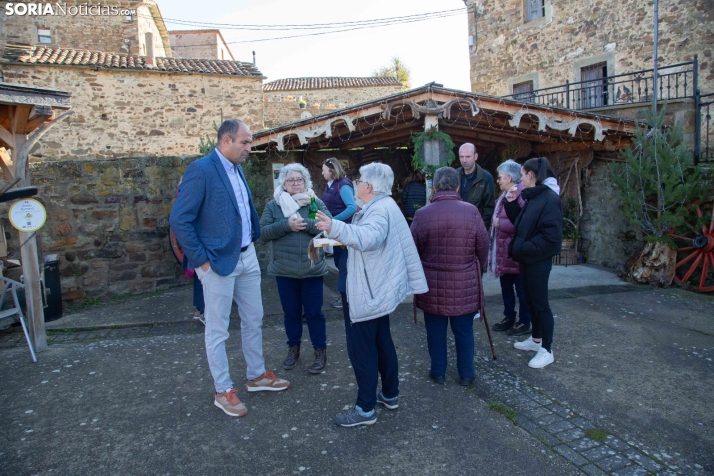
column 219, row 292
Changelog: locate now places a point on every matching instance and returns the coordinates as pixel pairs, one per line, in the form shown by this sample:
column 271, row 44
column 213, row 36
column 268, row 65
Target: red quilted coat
column 500, row 262
column 450, row 235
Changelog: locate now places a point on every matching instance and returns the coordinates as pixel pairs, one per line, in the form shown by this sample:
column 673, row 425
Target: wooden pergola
column 26, row 114
column 491, row 123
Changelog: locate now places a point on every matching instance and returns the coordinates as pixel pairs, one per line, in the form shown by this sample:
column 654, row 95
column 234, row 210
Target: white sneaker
column 541, row 359
column 198, row 315
column 528, row 344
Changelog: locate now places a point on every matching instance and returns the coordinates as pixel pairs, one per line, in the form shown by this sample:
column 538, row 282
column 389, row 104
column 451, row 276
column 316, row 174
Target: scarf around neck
column 289, row 204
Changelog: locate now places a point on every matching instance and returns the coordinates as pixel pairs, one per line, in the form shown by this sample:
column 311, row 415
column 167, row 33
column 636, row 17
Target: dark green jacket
column 481, row 194
column 290, row 258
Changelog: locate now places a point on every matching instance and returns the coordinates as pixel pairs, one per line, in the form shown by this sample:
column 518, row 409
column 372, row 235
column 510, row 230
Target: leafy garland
column 419, row 138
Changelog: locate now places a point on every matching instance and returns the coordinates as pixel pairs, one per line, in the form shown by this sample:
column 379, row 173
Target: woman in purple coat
column 499, row 264
column 452, row 242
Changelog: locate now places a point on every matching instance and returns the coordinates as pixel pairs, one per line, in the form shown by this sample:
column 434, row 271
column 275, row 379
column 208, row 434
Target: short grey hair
column 446, row 178
column 295, row 167
column 512, row 168
column 379, row 175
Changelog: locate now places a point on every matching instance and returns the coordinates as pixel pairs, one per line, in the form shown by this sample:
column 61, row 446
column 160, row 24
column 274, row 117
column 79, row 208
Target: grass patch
column 508, row 412
column 63, row 330
column 596, row 434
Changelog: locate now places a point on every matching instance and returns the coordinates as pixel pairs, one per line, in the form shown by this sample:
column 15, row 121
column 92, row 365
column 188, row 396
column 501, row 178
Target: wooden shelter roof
column 491, row 123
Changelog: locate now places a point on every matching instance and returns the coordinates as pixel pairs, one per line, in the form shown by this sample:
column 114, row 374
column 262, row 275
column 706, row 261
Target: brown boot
column 320, row 361
column 293, row 356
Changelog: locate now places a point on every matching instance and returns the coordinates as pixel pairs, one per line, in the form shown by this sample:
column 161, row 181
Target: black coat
column 413, row 198
column 538, row 225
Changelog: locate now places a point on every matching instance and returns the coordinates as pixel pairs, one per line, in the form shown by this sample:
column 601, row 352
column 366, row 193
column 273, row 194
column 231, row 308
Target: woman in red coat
column 452, row 242
column 499, row 264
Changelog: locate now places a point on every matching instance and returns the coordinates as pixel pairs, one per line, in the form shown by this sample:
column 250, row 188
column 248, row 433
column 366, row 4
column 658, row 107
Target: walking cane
column 483, row 309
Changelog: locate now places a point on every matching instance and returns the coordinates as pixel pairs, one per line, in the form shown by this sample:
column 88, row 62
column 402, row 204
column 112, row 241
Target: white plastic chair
column 16, row 311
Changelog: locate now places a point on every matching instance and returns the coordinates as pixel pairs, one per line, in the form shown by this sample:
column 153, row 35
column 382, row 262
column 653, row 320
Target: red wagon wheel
column 175, row 247
column 695, row 257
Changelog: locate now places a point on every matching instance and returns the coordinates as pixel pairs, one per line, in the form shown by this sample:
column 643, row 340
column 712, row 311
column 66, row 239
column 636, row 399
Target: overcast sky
column 434, row 50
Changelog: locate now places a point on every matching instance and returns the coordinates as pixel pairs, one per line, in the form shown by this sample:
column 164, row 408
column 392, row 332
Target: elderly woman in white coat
column 383, row 267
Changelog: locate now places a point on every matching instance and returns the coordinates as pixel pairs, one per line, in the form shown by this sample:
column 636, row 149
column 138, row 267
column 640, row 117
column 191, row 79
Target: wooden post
column 28, row 241
column 430, row 120
column 33, row 290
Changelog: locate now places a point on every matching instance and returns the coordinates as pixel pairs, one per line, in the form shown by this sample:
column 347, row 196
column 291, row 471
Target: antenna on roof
column 254, row 58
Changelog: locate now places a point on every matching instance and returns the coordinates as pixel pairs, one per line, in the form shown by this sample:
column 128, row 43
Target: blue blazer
column 205, row 217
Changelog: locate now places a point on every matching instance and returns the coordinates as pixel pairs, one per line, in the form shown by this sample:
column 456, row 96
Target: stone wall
column 282, row 107
column 108, row 221
column 86, row 32
column 552, row 49
column 199, row 44
column 132, row 113
column 611, row 239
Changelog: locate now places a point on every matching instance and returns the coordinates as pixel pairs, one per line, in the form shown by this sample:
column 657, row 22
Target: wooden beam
column 6, row 138
column 6, row 164
column 18, row 123
column 38, row 116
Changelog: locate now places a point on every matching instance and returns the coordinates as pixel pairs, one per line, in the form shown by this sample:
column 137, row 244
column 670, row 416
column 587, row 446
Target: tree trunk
column 653, row 263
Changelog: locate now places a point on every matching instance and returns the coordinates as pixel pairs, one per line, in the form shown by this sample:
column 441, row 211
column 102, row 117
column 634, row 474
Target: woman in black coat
column 538, row 237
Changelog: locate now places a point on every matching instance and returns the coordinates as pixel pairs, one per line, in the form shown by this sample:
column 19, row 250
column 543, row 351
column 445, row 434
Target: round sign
column 27, row 215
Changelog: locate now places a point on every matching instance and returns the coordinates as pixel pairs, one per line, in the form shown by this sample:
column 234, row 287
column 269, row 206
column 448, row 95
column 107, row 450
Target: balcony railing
column 676, row 81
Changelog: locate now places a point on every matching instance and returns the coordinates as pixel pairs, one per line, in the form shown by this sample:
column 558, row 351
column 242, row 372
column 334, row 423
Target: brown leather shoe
column 320, row 361
column 293, row 356
column 266, row 382
column 229, row 403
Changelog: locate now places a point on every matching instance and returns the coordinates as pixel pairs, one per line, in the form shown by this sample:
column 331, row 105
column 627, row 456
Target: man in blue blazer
column 216, row 223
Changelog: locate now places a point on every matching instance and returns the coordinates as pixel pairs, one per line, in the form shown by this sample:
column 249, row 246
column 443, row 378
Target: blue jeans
column 463, row 329
column 508, row 282
column 372, row 354
column 297, row 295
column 340, row 256
column 198, row 301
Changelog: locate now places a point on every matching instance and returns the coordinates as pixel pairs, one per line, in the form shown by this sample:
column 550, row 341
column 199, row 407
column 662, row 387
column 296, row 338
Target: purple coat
column 498, row 261
column 451, row 239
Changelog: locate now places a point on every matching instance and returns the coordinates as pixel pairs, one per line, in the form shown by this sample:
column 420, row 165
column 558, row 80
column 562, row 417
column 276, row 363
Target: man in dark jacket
column 476, row 184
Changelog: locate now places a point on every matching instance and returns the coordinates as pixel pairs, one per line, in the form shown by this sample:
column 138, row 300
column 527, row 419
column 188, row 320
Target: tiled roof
column 291, row 84
column 99, row 59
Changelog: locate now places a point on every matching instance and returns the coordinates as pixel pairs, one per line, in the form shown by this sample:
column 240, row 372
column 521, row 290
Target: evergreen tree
column 658, row 179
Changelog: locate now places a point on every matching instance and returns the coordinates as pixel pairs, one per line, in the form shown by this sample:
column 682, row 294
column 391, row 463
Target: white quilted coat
column 383, row 265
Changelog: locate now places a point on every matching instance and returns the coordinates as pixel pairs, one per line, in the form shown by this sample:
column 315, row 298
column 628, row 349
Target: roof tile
column 290, row 84
column 65, row 56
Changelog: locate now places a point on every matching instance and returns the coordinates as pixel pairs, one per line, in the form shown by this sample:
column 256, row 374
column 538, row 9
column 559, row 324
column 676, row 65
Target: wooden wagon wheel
column 695, row 259
column 175, row 247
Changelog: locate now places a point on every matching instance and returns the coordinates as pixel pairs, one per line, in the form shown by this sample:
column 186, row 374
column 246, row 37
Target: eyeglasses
column 358, row 182
column 292, row 181
column 329, row 163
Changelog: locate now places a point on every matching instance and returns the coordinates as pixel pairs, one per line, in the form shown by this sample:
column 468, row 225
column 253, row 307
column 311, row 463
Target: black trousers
column 372, row 354
column 535, row 287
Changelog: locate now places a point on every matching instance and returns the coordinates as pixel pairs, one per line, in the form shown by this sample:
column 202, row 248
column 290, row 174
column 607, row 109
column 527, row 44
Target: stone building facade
column 124, row 107
column 512, row 44
column 283, row 97
column 108, row 174
column 199, row 44
column 108, row 29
